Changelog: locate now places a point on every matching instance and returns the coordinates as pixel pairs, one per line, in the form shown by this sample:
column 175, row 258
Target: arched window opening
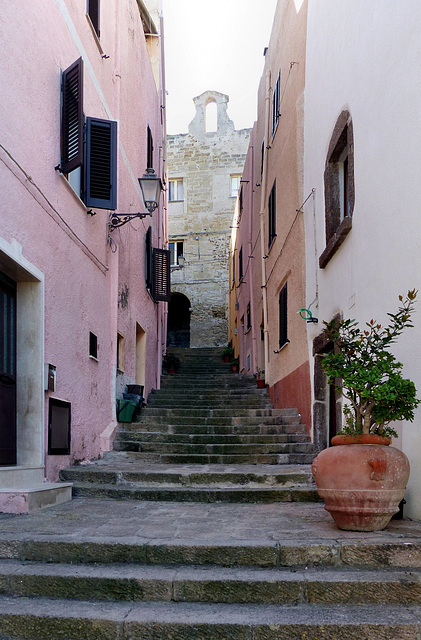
column 211, row 117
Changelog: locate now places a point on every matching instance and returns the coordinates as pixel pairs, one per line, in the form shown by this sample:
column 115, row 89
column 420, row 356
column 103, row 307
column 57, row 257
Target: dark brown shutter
column 72, row 117
column 161, row 275
column 149, row 150
column 283, row 316
column 101, row 163
column 148, row 258
column 93, row 12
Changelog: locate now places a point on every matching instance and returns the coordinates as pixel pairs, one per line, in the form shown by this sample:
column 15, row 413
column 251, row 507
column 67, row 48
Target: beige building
column 204, row 169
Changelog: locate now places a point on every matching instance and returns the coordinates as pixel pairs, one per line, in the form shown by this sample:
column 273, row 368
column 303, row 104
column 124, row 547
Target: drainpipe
column 262, row 216
column 162, row 311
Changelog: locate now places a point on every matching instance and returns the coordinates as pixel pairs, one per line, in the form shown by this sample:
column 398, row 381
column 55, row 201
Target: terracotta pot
column 361, row 485
column 361, row 438
column 260, row 383
column 171, row 371
column 234, row 367
column 226, row 358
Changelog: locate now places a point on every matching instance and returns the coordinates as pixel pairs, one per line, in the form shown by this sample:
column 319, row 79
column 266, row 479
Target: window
column 149, row 152
column 339, row 187
column 248, row 316
column 262, row 157
column 283, row 317
column 233, row 267
column 90, row 165
column 176, row 191
column 93, row 13
column 240, row 200
column 120, row 352
column 59, row 421
column 93, row 345
column 276, row 104
column 272, row 215
column 240, row 264
column 235, row 185
column 176, row 250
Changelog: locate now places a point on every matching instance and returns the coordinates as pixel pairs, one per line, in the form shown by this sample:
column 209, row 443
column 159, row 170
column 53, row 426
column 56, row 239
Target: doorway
column 7, row 371
column 140, row 355
column 178, row 321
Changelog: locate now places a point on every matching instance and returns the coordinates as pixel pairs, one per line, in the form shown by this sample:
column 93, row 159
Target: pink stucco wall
column 84, row 273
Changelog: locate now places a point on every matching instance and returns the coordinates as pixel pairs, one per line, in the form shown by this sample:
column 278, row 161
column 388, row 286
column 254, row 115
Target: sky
column 214, row 45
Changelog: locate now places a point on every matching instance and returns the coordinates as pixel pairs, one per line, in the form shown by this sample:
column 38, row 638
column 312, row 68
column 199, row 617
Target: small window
column 240, row 200
column 176, row 251
column 276, row 104
column 240, row 264
column 283, row 316
column 248, row 316
column 59, row 421
column 233, row 267
column 93, row 345
column 235, row 185
column 149, row 148
column 120, row 352
column 93, row 13
column 176, row 191
column 262, row 157
column 272, row 215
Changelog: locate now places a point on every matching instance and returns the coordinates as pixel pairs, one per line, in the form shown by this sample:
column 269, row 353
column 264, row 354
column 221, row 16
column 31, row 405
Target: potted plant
column 227, row 353
column 234, row 364
column 362, row 485
column 171, row 363
column 260, row 378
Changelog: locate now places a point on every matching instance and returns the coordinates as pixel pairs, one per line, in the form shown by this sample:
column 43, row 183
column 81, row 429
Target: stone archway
column 178, row 321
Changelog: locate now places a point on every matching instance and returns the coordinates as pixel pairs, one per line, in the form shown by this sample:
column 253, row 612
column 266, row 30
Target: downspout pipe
column 263, row 199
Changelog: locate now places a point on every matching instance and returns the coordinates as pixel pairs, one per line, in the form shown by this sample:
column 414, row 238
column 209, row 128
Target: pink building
column 82, row 305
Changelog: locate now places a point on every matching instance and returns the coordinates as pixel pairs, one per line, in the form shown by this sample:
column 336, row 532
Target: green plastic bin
column 126, row 410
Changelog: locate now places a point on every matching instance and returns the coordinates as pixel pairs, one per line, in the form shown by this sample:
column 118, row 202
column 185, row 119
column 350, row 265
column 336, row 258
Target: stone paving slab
column 199, row 522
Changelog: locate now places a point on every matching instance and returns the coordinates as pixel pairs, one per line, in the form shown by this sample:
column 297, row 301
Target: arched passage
column 179, row 321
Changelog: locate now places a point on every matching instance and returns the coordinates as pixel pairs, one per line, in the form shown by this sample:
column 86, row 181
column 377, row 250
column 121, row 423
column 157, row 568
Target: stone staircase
column 80, row 587
column 208, row 435
column 202, row 525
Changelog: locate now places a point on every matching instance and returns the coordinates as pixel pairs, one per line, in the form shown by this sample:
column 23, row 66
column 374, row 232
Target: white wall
column 365, row 57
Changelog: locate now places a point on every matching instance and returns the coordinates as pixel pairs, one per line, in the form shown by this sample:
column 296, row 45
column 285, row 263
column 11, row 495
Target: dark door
column 178, row 321
column 7, row 371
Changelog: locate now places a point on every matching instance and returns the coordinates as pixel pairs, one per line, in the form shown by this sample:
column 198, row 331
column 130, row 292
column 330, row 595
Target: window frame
column 178, row 185
column 176, row 251
column 272, row 215
column 276, row 104
column 339, row 187
column 234, row 190
column 283, row 316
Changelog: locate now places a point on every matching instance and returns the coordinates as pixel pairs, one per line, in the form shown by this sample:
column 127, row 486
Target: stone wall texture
column 205, row 161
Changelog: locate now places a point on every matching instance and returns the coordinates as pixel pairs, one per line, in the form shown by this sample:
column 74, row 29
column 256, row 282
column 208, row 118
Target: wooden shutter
column 272, row 215
column 161, row 275
column 283, row 316
column 148, row 258
column 101, row 164
column 149, row 159
column 93, row 12
column 72, row 117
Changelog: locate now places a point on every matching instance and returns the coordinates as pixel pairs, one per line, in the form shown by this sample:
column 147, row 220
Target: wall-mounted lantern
column 151, row 187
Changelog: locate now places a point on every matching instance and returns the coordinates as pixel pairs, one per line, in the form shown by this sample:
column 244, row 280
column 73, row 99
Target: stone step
column 204, row 411
column 219, row 449
column 105, row 547
column 211, row 429
column 210, row 438
column 168, row 493
column 122, row 468
column 145, row 418
column 183, row 583
column 85, row 620
column 261, row 458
